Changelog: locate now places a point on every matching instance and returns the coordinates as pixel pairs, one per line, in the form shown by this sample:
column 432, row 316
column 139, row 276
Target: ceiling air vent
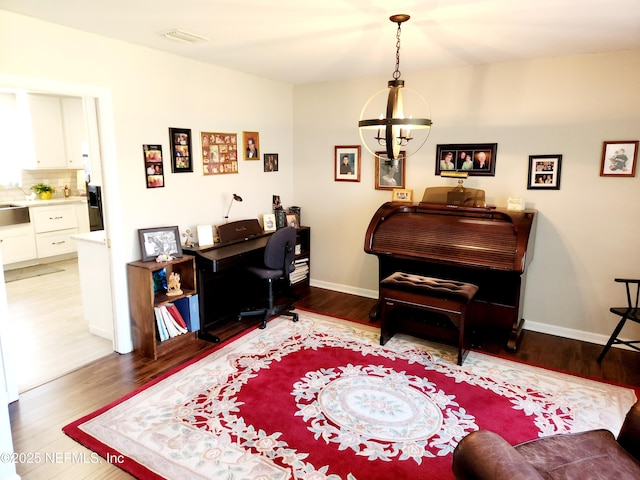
column 182, row 36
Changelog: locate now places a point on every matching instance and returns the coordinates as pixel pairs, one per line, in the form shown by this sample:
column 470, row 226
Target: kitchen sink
column 13, row 215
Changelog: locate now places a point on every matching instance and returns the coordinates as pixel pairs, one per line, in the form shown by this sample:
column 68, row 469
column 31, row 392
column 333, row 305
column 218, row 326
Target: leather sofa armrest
column 484, row 455
column 629, row 436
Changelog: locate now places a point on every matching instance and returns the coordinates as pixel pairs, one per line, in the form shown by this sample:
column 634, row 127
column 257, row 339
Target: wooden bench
column 445, row 297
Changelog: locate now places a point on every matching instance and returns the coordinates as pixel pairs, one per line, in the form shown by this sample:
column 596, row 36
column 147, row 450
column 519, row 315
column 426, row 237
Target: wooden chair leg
column 612, row 338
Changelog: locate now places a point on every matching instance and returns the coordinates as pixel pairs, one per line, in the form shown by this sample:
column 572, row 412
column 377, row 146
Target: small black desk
column 223, row 288
column 221, row 291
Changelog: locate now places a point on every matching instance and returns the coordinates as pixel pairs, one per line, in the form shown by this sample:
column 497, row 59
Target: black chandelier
column 393, row 133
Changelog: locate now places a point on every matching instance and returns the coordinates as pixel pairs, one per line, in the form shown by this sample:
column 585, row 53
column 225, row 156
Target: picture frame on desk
column 159, row 241
column 181, row 153
column 269, row 222
column 292, row 220
column 403, row 195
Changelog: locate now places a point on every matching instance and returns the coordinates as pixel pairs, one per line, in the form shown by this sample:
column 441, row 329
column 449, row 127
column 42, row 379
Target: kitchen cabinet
column 54, row 131
column 17, row 243
column 75, row 134
column 53, row 228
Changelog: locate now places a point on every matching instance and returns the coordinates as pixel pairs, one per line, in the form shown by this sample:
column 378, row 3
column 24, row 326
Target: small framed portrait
column 346, row 163
column 181, row 153
column 292, row 220
column 544, row 172
column 619, row 158
column 158, row 241
column 251, row 144
column 153, row 165
column 269, row 222
column 402, row 195
column 390, row 174
column 270, row 162
column 472, row 158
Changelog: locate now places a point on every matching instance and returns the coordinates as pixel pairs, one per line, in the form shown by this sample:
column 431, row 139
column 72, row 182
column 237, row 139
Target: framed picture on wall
column 619, row 158
column 544, row 172
column 473, row 158
column 346, row 163
column 219, row 153
column 153, row 165
column 270, row 162
column 181, row 153
column 390, row 174
column 251, row 143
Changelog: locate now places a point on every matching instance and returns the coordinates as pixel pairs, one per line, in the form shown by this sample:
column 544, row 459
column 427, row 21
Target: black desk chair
column 279, row 255
column 630, row 312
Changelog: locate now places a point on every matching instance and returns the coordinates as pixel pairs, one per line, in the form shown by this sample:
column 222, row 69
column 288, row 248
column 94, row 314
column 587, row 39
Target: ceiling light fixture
column 394, row 132
column 182, row 36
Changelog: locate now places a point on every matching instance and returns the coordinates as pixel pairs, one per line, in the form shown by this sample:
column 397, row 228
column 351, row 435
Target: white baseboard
column 336, row 287
column 598, row 339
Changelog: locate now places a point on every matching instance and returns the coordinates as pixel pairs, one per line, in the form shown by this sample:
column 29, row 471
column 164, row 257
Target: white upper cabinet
column 75, row 134
column 54, row 131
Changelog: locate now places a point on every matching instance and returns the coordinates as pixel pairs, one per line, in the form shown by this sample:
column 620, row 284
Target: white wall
column 588, row 231
column 142, row 93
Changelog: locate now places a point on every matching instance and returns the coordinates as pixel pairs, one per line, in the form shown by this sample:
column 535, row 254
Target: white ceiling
column 305, row 41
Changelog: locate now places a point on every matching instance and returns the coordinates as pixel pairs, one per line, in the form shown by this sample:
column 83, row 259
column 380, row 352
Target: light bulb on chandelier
column 395, row 134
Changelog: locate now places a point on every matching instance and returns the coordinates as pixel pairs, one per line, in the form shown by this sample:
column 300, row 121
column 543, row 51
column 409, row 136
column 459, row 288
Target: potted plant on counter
column 43, row 190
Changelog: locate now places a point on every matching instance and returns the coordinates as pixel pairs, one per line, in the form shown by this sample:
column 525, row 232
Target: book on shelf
column 161, row 330
column 168, row 325
column 301, row 271
column 190, row 310
column 175, row 314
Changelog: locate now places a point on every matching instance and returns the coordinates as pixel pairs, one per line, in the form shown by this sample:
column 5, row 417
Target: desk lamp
column 235, row 197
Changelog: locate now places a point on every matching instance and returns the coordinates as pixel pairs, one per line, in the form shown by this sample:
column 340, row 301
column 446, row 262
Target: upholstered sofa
column 591, row 455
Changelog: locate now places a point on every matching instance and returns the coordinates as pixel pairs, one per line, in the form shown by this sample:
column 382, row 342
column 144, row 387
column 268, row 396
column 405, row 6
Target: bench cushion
column 436, row 287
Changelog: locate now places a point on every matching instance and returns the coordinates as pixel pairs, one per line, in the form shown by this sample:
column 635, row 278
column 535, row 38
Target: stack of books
column 169, row 322
column 301, row 272
column 178, row 318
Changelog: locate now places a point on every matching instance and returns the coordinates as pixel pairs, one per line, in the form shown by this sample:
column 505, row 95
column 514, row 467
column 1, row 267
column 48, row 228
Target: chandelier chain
column 396, row 73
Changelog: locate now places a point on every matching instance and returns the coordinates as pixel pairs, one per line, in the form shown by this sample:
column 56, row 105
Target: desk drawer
column 56, row 243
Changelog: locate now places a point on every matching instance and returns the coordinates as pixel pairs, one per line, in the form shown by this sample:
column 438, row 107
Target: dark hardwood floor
column 39, row 415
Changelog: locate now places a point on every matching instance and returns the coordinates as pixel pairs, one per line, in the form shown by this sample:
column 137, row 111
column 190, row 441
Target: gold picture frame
column 403, row 195
column 251, row 145
column 219, row 153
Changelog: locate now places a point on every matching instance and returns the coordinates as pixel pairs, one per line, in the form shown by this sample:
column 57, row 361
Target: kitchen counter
column 95, row 283
column 44, row 203
column 97, row 236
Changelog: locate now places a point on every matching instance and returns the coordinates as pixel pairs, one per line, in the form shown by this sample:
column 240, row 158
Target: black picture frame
column 544, row 172
column 158, row 241
column 181, row 152
column 270, row 162
column 475, row 159
column 153, row 165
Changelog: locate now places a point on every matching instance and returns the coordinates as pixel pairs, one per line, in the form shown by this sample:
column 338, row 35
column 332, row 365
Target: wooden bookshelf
column 143, row 299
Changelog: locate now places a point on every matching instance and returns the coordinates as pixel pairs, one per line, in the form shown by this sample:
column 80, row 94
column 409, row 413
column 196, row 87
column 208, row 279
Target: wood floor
column 49, row 334
column 39, row 415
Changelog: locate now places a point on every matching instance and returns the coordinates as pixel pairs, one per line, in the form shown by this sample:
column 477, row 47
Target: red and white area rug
column 321, row 399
